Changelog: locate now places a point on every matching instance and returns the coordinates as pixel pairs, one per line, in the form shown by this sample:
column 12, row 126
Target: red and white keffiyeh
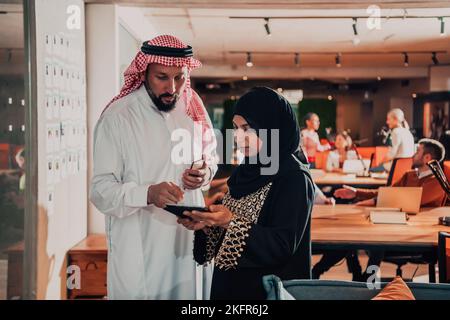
column 135, row 76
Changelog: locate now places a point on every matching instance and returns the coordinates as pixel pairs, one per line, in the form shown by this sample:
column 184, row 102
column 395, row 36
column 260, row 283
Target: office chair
column 398, row 169
column 440, row 176
column 444, row 257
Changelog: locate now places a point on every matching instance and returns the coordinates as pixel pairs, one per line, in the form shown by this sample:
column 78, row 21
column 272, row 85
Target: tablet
column 178, row 210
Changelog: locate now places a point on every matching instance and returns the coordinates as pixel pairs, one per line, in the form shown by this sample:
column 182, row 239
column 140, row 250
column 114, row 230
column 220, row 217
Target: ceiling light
column 434, row 58
column 266, row 26
column 297, row 59
column 355, row 31
column 249, row 60
column 338, row 60
column 442, row 26
column 405, row 59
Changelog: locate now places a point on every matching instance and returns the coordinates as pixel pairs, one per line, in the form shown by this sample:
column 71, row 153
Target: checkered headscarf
column 135, row 75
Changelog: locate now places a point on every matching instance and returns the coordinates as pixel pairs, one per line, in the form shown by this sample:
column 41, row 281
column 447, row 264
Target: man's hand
column 219, row 216
column 164, row 193
column 366, row 203
column 194, row 178
column 345, row 193
column 330, row 201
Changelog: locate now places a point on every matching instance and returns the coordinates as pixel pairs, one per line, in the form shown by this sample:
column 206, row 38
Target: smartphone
column 178, row 210
column 197, row 164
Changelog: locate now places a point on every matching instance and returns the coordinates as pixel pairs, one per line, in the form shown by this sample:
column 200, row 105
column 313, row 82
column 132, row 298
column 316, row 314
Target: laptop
column 408, row 199
column 356, row 166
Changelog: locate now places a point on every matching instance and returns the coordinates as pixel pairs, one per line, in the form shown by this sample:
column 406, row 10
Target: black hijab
column 263, row 108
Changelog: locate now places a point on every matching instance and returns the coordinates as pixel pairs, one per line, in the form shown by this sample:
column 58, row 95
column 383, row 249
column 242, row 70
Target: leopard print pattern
column 246, row 213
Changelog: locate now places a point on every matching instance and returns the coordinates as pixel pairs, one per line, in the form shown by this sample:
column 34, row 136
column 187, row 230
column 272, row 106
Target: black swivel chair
column 443, row 258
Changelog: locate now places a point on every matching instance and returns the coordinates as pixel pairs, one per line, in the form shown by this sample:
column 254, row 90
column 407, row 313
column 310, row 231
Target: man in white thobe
column 136, row 174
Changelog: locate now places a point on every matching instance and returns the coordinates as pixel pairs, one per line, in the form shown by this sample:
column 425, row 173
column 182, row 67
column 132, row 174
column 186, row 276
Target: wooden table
column 15, row 271
column 91, row 256
column 9, row 171
column 347, row 227
column 333, row 228
column 322, row 178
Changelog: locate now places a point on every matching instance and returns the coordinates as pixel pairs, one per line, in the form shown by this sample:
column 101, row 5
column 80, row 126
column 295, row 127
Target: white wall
column 134, row 20
column 62, row 222
column 114, row 35
column 440, row 78
column 102, row 57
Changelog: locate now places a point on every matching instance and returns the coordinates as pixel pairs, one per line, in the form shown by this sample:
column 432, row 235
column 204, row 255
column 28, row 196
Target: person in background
column 433, row 196
column 401, row 140
column 310, row 139
column 342, row 152
column 421, row 176
column 20, row 160
column 445, row 140
column 335, row 161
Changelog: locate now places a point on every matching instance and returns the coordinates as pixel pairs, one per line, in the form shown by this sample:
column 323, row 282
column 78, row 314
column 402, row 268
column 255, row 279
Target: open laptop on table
column 408, row 199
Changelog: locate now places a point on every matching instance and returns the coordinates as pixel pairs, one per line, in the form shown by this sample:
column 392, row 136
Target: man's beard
column 416, row 164
column 163, row 107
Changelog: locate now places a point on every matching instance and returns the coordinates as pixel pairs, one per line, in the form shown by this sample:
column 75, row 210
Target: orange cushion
column 380, row 153
column 321, row 159
column 395, row 290
column 365, row 152
column 402, row 166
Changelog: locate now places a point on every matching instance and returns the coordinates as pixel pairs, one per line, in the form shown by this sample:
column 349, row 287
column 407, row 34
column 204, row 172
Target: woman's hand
column 191, row 224
column 216, row 197
column 219, row 216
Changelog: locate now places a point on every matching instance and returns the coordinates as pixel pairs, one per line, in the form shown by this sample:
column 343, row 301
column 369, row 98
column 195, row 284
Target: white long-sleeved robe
column 150, row 256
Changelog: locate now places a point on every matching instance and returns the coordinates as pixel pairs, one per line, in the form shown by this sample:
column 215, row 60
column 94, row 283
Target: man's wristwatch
column 208, row 180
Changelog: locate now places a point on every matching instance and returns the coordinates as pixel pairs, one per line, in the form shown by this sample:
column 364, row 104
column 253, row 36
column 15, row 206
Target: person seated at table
column 342, row 152
column 310, row 139
column 319, row 196
column 432, row 196
column 401, row 143
column 421, row 176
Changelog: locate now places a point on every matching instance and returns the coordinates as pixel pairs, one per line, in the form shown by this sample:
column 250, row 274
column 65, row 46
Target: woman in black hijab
column 263, row 224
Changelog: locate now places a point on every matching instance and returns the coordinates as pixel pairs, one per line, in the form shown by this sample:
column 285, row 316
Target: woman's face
column 341, row 142
column 391, row 121
column 246, row 138
column 314, row 122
